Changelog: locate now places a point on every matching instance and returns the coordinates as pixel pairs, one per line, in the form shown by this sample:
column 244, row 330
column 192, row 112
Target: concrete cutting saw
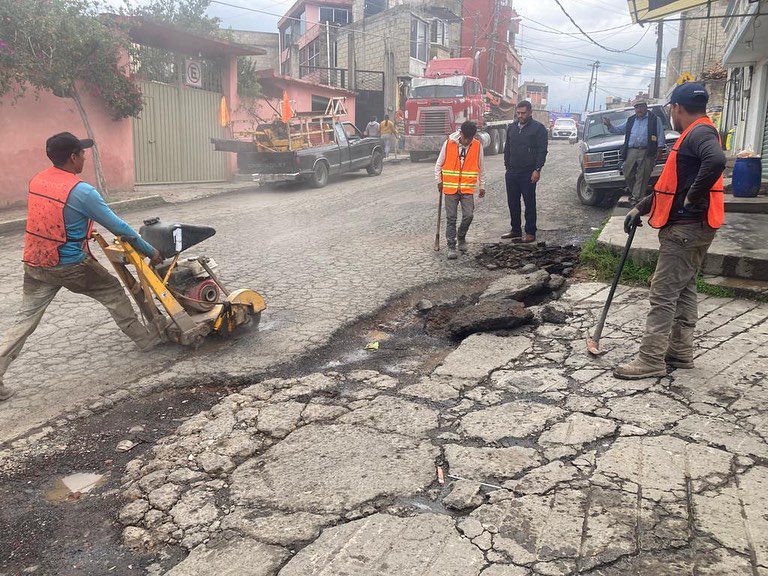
column 192, row 300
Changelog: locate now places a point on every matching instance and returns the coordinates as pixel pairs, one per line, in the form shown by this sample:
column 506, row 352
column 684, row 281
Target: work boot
column 463, row 245
column 514, row 236
column 638, row 369
column 452, row 254
column 678, row 362
column 5, row 392
column 528, row 239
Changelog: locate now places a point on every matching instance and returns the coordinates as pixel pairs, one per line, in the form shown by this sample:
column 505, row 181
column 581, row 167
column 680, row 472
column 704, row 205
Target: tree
column 61, row 46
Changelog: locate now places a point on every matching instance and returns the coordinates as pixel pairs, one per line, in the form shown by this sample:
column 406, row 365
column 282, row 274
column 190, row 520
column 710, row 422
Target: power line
column 588, row 37
column 542, row 48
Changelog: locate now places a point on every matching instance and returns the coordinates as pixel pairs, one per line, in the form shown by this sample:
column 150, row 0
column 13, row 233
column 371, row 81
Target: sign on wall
column 193, row 73
column 647, row 10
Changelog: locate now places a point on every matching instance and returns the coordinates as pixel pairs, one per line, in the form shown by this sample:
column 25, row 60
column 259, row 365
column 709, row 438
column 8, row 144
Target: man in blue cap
column 687, row 206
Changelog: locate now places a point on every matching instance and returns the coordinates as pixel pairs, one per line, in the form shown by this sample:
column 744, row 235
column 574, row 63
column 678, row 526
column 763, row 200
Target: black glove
column 632, row 220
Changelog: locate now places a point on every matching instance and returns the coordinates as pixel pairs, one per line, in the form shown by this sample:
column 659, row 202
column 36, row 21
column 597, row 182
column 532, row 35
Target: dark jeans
column 519, row 185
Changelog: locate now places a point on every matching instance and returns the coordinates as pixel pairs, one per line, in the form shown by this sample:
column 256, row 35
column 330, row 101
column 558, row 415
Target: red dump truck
column 447, row 95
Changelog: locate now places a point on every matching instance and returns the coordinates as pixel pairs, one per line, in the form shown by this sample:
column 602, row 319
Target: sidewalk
column 739, row 250
column 13, row 219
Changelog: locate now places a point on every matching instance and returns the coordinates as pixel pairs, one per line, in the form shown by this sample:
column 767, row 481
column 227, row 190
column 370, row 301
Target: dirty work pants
column 452, row 202
column 637, row 170
column 519, row 186
column 88, row 277
column 674, row 305
column 390, row 144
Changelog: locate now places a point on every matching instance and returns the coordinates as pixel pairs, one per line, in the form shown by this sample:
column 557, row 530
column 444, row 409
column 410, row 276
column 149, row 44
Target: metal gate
column 369, row 85
column 172, row 136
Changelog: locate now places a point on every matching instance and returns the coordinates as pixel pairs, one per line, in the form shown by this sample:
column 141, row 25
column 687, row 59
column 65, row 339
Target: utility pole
column 659, row 47
column 594, row 101
column 589, row 89
column 494, row 31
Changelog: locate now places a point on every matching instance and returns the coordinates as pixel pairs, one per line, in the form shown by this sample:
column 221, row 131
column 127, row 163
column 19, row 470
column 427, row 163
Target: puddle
column 73, row 486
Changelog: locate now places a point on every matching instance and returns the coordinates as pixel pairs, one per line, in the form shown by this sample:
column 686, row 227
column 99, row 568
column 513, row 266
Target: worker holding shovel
column 688, row 207
column 459, row 171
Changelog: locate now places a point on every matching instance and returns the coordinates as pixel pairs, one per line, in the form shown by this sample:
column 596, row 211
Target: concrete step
column 740, row 249
column 740, row 286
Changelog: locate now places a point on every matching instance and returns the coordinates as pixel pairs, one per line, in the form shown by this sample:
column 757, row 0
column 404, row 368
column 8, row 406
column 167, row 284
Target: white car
column 564, row 128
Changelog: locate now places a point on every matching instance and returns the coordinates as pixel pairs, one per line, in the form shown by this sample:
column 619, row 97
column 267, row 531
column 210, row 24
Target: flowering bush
column 54, row 44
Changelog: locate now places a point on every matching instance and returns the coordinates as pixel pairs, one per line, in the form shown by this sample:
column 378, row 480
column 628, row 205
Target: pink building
column 303, row 95
column 168, row 143
column 307, row 39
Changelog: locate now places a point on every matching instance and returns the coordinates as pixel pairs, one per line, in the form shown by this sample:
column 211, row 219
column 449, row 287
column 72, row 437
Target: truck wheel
column 415, row 156
column 320, row 176
column 377, row 164
column 587, row 195
column 493, row 147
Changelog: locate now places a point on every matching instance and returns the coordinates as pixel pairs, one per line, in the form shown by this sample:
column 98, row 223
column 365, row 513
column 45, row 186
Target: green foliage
column 703, row 287
column 185, row 14
column 53, row 44
column 605, row 262
column 247, row 83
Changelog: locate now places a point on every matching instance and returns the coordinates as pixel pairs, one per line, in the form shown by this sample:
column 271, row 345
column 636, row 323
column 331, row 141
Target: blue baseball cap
column 689, row 94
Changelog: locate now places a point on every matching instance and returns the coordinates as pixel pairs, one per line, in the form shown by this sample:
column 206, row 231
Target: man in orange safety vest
column 459, row 171
column 687, row 206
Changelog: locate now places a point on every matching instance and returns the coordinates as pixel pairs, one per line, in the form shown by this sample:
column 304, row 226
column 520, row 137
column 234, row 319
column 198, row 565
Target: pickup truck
column 348, row 151
column 602, row 176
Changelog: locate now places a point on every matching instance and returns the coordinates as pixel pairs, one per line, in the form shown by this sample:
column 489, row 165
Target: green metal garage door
column 172, row 137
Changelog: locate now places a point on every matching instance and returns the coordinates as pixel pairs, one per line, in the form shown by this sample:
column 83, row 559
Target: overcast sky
column 553, row 50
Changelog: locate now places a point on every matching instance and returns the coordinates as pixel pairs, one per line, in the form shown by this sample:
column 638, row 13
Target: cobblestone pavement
column 321, row 257
column 552, row 466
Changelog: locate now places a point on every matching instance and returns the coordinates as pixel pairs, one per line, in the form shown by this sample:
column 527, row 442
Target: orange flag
column 286, row 113
column 223, row 112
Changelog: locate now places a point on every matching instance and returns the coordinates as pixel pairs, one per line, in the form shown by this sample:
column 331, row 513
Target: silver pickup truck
column 602, row 177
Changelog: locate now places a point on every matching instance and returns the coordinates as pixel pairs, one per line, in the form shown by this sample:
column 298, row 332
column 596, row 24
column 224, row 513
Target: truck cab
column 440, row 102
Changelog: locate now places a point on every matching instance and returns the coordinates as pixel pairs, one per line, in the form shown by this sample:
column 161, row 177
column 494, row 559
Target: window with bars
column 309, row 57
column 437, row 33
column 338, row 16
column 419, row 42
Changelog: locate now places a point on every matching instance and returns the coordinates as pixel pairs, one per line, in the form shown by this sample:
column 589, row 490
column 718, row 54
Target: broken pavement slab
column 385, row 545
column 331, row 469
column 516, row 286
column 480, row 354
column 231, row 558
column 489, row 315
column 516, row 419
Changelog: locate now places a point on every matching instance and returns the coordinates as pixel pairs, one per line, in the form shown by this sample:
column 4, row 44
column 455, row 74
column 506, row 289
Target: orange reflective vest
column 46, row 232
column 458, row 178
column 666, row 188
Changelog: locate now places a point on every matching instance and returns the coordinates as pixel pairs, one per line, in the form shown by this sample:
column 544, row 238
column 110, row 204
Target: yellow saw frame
column 238, row 307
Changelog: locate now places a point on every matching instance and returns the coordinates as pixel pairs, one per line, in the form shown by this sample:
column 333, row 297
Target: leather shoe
column 511, row 236
column 528, row 239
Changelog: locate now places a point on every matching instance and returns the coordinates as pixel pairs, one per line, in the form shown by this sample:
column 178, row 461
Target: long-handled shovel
column 439, row 210
column 593, row 343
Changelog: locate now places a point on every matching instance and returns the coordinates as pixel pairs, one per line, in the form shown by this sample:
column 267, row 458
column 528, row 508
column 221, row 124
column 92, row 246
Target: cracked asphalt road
column 322, row 258
column 553, row 466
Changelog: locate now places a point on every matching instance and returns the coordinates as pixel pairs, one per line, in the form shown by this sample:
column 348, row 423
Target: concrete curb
column 18, row 224
column 737, row 251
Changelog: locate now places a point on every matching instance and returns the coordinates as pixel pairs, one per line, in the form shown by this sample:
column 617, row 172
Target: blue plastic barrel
column 747, row 173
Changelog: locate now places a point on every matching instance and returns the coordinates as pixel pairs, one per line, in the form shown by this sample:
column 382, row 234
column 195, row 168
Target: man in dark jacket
column 688, row 207
column 524, row 155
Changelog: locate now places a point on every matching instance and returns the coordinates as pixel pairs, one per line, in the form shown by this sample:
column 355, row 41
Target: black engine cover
column 171, row 239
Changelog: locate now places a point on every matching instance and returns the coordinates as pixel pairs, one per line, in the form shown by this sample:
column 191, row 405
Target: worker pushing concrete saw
column 61, row 213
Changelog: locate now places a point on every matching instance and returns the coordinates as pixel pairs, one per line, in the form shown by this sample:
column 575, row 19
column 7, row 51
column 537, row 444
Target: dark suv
column 602, row 177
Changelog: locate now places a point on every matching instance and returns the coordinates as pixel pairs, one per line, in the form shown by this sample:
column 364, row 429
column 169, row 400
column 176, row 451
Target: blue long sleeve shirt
column 85, row 203
column 638, row 138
